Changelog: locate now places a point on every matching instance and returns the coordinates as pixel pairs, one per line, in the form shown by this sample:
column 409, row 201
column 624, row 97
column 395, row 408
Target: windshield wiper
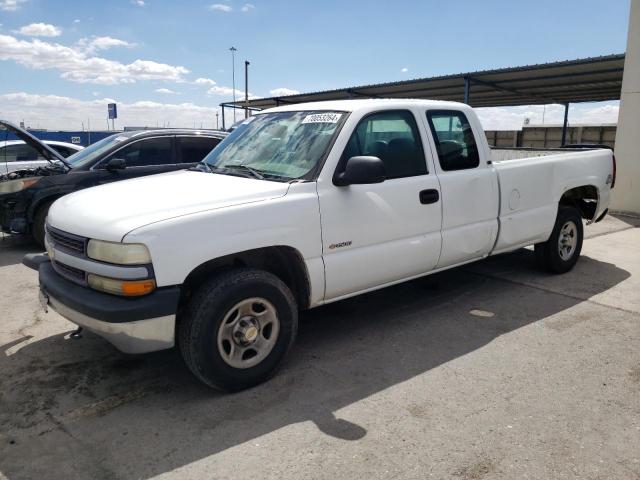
column 254, row 173
column 202, row 167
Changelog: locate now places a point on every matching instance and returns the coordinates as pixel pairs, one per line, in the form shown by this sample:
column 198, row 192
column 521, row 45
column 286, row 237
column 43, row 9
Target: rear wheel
column 237, row 329
column 561, row 252
column 37, row 229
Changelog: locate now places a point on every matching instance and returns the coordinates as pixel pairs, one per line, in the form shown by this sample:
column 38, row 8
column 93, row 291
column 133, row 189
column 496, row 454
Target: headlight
column 13, row 186
column 119, row 253
column 128, row 288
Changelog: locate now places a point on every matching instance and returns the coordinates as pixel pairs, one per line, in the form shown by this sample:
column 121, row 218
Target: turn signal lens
column 127, row 288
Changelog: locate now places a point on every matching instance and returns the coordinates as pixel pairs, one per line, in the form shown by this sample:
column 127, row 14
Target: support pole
column 246, row 89
column 223, row 123
column 467, row 87
column 564, row 123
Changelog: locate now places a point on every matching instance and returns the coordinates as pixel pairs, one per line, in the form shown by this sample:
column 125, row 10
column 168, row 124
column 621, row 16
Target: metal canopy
column 581, row 80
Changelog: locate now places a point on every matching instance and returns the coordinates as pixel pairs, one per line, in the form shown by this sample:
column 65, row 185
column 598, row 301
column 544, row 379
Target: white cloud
column 167, row 91
column 77, row 20
column 40, row 30
column 139, row 3
column 56, row 112
column 283, row 92
column 204, row 81
column 227, row 91
column 10, row 5
column 247, row 7
column 220, row 7
column 404, row 70
column 512, row 118
column 93, row 44
column 77, row 65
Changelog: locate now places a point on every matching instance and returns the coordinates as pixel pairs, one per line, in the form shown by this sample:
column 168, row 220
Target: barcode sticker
column 322, row 118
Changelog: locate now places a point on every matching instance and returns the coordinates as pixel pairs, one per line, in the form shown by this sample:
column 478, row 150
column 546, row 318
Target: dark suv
column 26, row 195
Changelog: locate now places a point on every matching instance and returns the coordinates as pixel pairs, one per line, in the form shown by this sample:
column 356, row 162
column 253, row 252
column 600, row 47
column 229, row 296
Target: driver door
column 385, row 232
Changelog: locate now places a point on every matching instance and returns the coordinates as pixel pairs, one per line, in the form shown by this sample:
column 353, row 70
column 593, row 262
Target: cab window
column 393, row 137
column 194, row 149
column 147, row 152
column 455, row 143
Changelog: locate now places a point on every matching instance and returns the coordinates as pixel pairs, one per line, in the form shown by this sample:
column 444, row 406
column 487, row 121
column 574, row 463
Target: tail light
column 613, row 181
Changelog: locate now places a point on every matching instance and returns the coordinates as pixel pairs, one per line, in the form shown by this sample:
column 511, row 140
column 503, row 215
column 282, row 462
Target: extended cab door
column 469, row 187
column 380, row 233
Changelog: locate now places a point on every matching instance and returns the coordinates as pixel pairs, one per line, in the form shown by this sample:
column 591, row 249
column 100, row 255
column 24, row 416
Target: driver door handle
column 429, row 196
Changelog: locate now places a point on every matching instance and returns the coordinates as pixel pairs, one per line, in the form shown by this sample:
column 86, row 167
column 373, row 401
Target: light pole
column 246, row 89
column 233, row 51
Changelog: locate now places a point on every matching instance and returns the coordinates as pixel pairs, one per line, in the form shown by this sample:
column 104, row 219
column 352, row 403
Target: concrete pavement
column 494, row 370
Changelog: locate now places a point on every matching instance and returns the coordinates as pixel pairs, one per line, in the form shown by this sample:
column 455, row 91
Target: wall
column 63, row 136
column 626, row 195
column 551, row 136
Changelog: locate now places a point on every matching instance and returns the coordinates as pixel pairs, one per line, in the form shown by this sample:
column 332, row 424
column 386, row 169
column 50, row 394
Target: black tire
column 205, row 312
column 37, row 228
column 548, row 254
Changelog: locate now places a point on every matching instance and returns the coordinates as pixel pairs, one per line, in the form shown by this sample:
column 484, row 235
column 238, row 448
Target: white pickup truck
column 300, row 206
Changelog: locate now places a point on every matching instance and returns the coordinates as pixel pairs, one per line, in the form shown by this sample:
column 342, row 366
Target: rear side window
column 393, row 137
column 194, row 149
column 19, row 153
column 64, row 151
column 456, row 145
column 147, row 152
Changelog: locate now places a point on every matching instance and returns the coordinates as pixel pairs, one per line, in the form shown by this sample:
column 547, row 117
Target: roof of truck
column 360, row 104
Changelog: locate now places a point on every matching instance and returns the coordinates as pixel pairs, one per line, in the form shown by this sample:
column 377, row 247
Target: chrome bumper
column 140, row 336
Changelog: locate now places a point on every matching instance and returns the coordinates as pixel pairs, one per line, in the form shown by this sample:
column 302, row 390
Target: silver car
column 16, row 154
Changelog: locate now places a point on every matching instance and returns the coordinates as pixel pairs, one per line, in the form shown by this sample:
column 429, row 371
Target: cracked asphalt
column 493, row 370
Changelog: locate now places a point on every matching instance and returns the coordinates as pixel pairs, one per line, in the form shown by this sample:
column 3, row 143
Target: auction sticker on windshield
column 322, row 118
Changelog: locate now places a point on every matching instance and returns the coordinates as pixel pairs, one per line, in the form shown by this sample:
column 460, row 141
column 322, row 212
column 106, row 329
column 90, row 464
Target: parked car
column 300, row 206
column 18, row 155
column 26, row 195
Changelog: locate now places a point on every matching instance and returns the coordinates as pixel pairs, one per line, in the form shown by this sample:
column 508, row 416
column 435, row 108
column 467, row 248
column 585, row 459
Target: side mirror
column 116, row 164
column 361, row 171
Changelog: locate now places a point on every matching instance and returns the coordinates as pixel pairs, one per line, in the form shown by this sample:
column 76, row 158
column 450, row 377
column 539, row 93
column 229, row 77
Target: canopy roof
column 581, row 80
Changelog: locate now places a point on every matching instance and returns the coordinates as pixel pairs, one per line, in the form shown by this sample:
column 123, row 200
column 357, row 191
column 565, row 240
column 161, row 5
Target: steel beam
column 564, row 123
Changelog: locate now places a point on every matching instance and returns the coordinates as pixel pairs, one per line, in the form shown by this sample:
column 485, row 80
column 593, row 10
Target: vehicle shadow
column 78, row 409
column 14, row 247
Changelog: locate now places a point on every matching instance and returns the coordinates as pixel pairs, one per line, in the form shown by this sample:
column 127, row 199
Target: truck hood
column 109, row 212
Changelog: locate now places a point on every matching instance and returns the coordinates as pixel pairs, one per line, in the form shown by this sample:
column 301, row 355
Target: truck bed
column 531, row 187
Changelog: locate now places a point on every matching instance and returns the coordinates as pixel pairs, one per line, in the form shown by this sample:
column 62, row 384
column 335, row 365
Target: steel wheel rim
column 248, row 332
column 567, row 240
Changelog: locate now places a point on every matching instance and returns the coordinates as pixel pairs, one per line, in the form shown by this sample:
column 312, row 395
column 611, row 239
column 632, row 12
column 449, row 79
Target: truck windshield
column 282, row 145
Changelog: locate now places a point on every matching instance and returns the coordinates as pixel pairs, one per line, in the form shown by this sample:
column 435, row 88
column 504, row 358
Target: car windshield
column 86, row 156
column 276, row 146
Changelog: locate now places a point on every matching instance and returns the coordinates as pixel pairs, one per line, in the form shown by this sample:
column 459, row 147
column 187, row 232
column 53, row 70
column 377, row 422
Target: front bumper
column 132, row 325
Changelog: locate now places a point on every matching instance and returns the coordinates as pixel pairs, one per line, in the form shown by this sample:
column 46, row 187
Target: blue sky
column 139, row 52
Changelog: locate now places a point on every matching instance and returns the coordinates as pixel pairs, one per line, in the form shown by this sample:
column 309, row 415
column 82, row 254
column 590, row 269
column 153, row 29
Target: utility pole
column 217, row 125
column 246, row 89
column 233, row 51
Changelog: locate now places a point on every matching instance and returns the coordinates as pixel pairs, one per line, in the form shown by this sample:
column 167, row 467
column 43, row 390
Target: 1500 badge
column 339, row 245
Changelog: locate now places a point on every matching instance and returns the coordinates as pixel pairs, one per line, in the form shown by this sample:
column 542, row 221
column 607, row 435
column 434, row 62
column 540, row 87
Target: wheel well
column 286, row 263
column 584, row 198
column 39, row 204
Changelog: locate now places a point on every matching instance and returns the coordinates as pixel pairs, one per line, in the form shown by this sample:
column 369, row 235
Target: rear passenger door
column 384, row 232
column 192, row 149
column 468, row 186
column 145, row 156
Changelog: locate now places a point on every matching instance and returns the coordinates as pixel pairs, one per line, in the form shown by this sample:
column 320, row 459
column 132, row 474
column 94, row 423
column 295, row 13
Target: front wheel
column 237, row 329
column 561, row 252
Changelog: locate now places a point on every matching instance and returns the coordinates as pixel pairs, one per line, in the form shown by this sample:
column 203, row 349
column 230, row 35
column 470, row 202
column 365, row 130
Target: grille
column 70, row 273
column 66, row 241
